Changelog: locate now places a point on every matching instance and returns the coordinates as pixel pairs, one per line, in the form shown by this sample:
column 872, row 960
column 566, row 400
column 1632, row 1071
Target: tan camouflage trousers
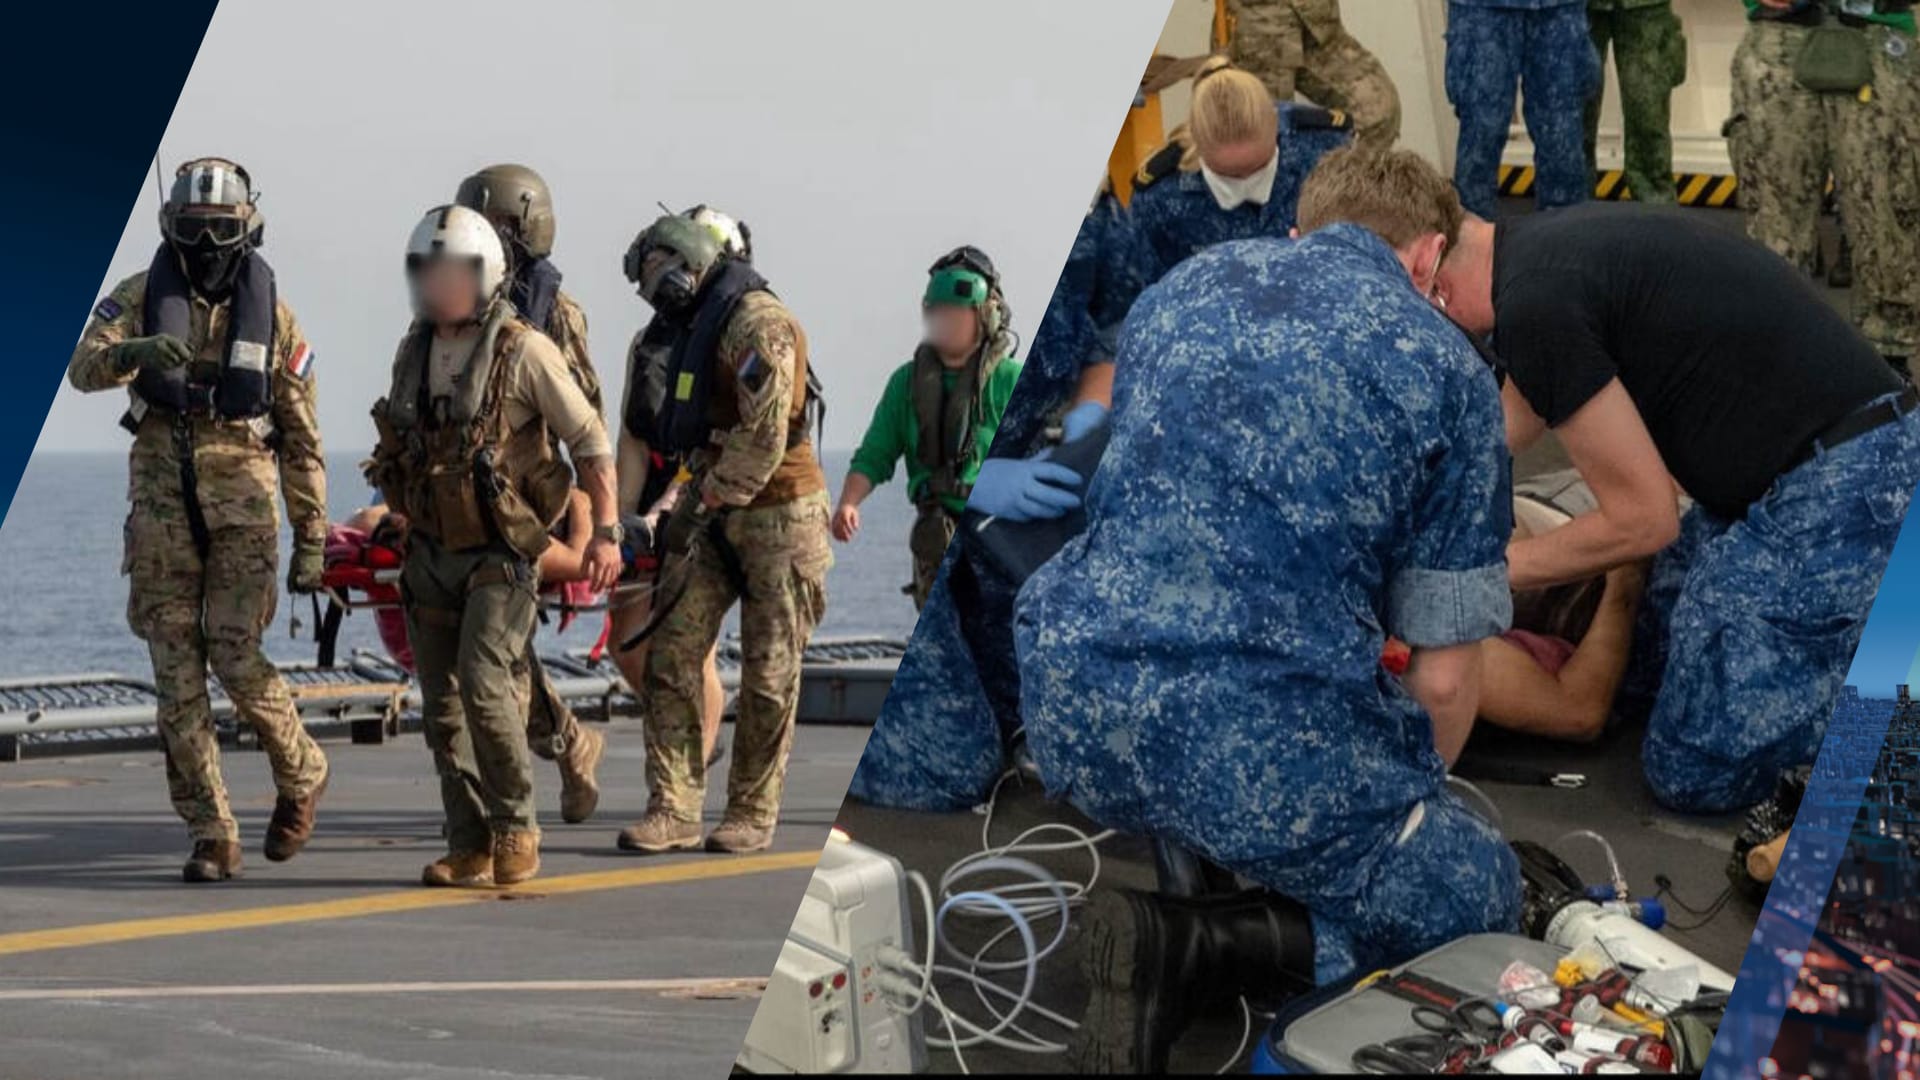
column 198, row 615
column 1786, row 140
column 469, row 616
column 785, row 558
column 1302, row 45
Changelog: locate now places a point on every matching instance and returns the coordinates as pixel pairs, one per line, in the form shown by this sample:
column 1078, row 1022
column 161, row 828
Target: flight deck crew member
column 1302, row 45
column 1305, row 459
column 222, row 388
column 1795, row 441
column 1232, row 171
column 1498, row 47
column 939, row 410
column 479, row 400
column 950, row 720
column 516, row 201
column 750, row 527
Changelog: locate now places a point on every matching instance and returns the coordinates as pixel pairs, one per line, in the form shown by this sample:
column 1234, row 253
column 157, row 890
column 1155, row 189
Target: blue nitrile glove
column 1024, row 489
column 1081, row 419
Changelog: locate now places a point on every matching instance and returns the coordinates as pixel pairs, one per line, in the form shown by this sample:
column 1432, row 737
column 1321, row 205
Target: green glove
column 309, row 561
column 160, row 352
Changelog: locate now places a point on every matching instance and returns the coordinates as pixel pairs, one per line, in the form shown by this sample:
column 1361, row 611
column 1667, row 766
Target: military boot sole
column 579, row 790
column 661, row 847
column 446, row 880
column 1115, row 1034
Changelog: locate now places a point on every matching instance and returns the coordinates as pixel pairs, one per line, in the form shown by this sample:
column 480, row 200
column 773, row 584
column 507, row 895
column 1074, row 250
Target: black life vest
column 649, row 373
column 682, row 425
column 947, row 419
column 243, row 389
column 533, row 290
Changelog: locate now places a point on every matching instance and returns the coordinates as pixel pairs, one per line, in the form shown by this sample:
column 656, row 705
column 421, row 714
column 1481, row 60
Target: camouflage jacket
column 238, row 471
column 756, row 402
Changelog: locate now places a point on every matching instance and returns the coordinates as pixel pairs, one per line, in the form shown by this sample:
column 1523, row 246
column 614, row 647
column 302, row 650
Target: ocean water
column 63, row 601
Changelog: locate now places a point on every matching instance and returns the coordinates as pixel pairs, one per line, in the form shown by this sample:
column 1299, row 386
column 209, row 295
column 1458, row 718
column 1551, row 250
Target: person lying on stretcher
column 1556, row 672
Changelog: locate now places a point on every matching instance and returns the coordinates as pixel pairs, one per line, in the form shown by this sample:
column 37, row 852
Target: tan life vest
column 451, row 465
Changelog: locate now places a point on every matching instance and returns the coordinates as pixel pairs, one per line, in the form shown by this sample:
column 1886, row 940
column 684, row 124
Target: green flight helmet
column 518, row 203
column 699, row 245
column 956, row 286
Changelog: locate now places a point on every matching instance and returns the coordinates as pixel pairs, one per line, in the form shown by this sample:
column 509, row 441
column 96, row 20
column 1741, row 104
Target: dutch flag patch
column 301, row 361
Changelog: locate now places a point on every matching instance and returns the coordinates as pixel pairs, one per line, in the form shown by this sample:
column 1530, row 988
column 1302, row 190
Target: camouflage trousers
column 1786, row 140
column 1301, row 45
column 1748, row 627
column 470, row 615
column 197, row 614
column 1650, row 54
column 784, row 559
column 1493, row 54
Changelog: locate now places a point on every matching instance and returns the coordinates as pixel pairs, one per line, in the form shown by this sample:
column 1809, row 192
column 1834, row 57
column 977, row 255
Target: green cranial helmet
column 956, row 286
column 516, row 200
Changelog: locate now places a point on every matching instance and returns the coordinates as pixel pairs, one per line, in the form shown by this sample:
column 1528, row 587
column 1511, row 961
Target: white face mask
column 1231, row 191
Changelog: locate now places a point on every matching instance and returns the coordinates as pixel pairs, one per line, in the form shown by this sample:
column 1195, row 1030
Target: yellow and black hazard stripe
column 1690, row 189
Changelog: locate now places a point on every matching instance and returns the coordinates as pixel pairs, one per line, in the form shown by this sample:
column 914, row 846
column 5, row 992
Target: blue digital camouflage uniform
column 1306, row 457
column 1495, row 47
column 939, row 742
column 1172, row 214
column 1756, row 621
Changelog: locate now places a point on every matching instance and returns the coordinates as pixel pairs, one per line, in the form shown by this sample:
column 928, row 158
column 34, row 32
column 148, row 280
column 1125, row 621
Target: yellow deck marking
column 346, row 907
column 731, row 986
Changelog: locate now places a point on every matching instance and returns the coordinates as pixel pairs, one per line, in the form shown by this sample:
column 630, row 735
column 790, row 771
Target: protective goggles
column 956, row 286
column 221, row 230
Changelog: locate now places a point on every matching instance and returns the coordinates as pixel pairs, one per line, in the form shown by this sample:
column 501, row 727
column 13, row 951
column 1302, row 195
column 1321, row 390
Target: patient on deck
column 1556, row 672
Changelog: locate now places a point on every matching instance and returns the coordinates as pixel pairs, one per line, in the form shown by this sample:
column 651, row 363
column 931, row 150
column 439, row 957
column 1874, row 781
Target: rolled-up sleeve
column 1452, row 588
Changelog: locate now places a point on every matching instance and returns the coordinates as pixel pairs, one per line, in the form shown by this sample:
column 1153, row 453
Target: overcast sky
column 859, row 139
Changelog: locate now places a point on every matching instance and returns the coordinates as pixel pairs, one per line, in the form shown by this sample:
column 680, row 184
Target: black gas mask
column 664, row 279
column 210, row 248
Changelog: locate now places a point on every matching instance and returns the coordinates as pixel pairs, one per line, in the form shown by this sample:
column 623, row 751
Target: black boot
column 1152, row 963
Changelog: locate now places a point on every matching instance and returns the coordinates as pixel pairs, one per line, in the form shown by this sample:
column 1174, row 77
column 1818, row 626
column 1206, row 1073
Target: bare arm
column 564, row 559
column 1446, row 682
column 1524, row 426
column 1609, row 444
column 1096, row 384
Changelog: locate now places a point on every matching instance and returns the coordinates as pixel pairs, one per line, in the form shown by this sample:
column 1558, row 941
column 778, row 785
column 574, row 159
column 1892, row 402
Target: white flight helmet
column 457, row 232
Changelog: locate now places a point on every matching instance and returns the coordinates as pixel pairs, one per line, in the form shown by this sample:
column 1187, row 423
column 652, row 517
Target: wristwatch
column 614, row 532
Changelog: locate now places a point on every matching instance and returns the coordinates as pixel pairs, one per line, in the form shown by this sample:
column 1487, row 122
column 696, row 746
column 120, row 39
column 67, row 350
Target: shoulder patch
column 108, row 308
column 1159, row 164
column 1313, row 117
column 301, row 361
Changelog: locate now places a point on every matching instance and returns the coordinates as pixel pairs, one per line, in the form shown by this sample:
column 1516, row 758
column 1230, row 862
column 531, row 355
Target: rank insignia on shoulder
column 301, row 361
column 108, row 308
column 1306, row 117
column 1159, row 164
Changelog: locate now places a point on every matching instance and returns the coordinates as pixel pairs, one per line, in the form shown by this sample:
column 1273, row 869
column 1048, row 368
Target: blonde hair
column 1396, row 194
column 1230, row 106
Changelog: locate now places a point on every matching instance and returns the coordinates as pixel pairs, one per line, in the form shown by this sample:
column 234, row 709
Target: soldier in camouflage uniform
column 1650, row 52
column 1302, row 45
column 1176, row 209
column 1496, row 48
column 467, row 455
column 222, row 387
column 1785, row 139
column 750, row 527
column 1306, row 457
column 516, row 200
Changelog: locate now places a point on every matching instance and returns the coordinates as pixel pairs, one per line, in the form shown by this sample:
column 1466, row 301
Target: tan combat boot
column 737, row 836
column 516, row 856
column 212, row 860
column 460, row 870
column 660, row 832
column 292, row 822
column 579, row 791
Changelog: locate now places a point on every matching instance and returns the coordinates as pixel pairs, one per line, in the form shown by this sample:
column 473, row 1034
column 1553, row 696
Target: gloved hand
column 303, row 574
column 160, row 352
column 1081, row 419
column 689, row 519
column 1025, row 489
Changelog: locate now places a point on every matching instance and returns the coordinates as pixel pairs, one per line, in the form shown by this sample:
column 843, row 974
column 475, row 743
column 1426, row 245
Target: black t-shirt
column 1733, row 359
